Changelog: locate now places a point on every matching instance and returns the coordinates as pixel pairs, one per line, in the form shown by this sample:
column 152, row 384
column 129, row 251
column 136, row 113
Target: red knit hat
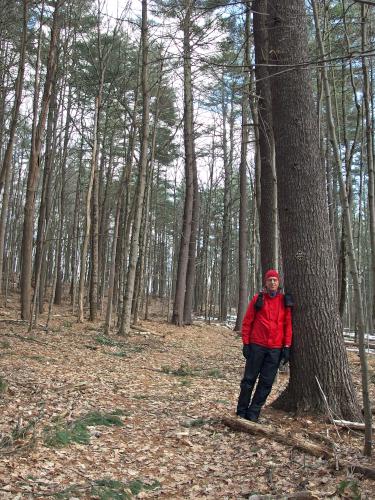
column 271, row 273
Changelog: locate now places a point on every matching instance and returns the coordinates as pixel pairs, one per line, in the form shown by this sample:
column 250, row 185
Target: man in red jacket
column 267, row 337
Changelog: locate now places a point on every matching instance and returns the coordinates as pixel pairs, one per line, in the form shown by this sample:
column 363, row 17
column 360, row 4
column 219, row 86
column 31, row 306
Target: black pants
column 264, row 362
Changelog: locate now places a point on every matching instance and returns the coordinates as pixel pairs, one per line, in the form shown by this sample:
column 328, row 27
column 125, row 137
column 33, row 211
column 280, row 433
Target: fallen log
column 298, row 495
column 281, row 437
column 243, row 425
column 143, row 331
column 360, row 426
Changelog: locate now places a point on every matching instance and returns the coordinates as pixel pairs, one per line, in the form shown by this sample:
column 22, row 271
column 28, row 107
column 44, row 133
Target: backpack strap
column 259, row 302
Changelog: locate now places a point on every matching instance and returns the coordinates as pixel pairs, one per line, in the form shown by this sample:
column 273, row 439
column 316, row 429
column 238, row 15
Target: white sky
column 115, row 7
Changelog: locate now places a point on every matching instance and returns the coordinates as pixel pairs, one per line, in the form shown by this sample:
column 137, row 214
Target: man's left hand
column 285, row 355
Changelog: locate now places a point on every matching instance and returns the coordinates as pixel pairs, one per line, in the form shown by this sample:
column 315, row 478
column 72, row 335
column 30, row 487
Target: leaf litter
column 90, row 416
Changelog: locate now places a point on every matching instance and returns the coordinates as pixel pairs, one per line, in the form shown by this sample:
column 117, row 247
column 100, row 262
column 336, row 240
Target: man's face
column 272, row 284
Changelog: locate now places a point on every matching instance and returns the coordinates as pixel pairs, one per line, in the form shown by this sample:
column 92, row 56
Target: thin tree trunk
column 5, row 174
column 75, row 232
column 242, row 244
column 268, row 199
column 129, row 291
column 6, row 165
column 224, row 267
column 183, row 258
column 86, row 237
column 33, row 174
column 59, row 283
column 369, row 152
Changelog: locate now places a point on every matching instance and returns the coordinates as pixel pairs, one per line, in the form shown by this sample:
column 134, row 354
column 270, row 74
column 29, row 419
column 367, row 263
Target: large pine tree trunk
column 268, row 195
column 310, row 271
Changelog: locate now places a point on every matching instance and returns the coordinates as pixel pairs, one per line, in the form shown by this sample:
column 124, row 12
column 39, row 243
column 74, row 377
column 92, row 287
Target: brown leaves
column 171, row 389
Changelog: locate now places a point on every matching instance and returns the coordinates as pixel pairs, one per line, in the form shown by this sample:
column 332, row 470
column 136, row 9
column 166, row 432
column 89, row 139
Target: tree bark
column 310, row 272
column 224, row 266
column 140, row 194
column 85, row 243
column 242, row 244
column 183, row 257
column 268, row 194
column 369, row 153
column 5, row 173
column 33, row 174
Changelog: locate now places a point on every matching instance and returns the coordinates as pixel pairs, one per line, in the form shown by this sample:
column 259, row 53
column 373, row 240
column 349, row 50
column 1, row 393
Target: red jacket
column 270, row 326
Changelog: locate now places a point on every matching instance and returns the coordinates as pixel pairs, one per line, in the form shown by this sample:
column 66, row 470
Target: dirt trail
column 169, row 391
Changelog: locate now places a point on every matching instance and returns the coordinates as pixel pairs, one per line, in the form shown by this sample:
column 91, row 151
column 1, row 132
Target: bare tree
column 142, row 172
column 34, row 166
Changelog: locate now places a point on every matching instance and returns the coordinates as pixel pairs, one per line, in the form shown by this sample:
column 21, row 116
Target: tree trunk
column 190, row 272
column 5, row 173
column 85, row 243
column 59, row 276
column 268, row 194
column 140, row 194
column 183, row 257
column 75, row 229
column 17, row 100
column 33, row 174
column 224, row 267
column 242, row 244
column 369, row 153
column 40, row 265
column 310, row 272
column 347, row 217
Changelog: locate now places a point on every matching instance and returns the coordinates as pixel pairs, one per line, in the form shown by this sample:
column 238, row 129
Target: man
column 267, row 336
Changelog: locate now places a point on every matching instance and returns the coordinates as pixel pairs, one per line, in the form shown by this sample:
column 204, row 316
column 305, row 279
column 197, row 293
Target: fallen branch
column 25, row 339
column 14, row 321
column 359, row 469
column 71, row 386
column 281, row 437
column 320, row 438
column 144, row 330
column 298, row 495
column 302, row 445
column 351, row 425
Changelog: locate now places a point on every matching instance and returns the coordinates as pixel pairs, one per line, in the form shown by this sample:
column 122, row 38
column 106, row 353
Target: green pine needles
column 63, row 434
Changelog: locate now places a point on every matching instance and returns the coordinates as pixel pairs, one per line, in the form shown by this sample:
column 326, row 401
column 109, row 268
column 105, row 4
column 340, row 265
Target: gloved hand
column 285, row 355
column 246, row 351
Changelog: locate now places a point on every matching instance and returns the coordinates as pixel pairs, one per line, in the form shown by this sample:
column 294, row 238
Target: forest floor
column 86, row 416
